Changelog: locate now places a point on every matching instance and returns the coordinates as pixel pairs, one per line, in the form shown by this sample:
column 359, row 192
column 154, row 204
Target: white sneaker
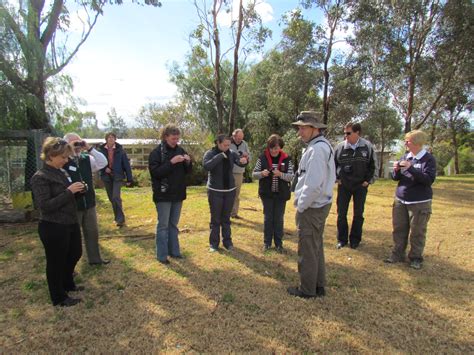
column 212, row 250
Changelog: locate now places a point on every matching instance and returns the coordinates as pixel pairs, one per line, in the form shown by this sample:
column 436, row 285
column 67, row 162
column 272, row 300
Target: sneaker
column 266, row 248
column 212, row 249
column 340, row 245
column 389, row 260
column 279, row 249
column 416, row 264
column 164, row 262
column 230, row 247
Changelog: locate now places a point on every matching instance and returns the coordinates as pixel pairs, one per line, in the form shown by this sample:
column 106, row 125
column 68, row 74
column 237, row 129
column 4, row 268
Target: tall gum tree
column 41, row 28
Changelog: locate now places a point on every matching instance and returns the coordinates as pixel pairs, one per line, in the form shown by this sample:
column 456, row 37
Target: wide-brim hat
column 310, row 118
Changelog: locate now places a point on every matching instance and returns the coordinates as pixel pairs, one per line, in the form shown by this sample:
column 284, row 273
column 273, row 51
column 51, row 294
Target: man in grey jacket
column 239, row 146
column 313, row 199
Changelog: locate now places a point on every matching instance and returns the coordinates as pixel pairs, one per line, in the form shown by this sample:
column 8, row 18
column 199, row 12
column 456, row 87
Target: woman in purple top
column 415, row 173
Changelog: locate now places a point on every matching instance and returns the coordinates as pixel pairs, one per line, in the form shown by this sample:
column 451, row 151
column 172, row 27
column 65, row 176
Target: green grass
column 236, row 301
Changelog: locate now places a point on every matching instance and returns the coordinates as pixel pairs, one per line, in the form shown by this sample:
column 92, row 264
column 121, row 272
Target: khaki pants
column 90, row 232
column 311, row 265
column 239, row 178
column 409, row 221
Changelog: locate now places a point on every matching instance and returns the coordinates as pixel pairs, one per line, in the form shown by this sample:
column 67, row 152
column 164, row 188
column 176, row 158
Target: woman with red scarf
column 274, row 170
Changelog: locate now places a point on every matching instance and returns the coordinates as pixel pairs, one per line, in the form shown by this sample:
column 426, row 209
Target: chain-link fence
column 19, row 160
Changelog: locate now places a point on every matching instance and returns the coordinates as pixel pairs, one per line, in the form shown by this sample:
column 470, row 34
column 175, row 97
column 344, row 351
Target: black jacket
column 168, row 180
column 265, row 183
column 353, row 167
column 56, row 203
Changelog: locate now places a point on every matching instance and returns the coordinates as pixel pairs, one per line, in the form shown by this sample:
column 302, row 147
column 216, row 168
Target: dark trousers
column 63, row 249
column 343, row 198
column 220, row 204
column 113, row 189
column 273, row 213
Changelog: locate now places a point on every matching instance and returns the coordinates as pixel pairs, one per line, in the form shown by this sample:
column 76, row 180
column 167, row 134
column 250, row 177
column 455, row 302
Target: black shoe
column 102, row 262
column 279, row 249
column 76, row 289
column 320, row 292
column 340, row 245
column 177, row 256
column 295, row 291
column 229, row 247
column 416, row 264
column 164, row 262
column 266, row 247
column 120, row 224
column 354, row 246
column 68, row 302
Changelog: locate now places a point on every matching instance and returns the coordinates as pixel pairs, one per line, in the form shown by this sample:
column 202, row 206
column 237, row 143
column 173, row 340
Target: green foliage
column 116, row 124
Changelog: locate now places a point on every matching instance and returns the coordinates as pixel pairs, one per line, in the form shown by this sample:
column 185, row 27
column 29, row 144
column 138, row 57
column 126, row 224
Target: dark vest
column 84, row 173
column 265, row 183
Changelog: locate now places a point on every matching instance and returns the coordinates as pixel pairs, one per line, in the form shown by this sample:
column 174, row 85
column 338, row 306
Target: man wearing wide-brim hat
column 313, row 199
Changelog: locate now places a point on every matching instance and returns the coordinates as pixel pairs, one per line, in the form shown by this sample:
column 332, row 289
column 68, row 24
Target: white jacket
column 316, row 175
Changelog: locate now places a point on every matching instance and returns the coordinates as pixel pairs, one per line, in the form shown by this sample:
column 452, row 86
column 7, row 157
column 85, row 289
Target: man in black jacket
column 168, row 165
column 355, row 170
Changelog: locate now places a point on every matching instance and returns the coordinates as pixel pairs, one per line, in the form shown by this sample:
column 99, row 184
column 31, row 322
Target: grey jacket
column 213, row 162
column 316, row 175
column 240, row 149
column 55, row 202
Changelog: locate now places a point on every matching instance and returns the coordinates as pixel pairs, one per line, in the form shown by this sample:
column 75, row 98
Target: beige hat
column 310, row 118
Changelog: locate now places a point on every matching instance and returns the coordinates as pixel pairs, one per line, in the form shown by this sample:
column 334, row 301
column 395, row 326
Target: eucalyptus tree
column 43, row 45
column 335, row 13
column 245, row 33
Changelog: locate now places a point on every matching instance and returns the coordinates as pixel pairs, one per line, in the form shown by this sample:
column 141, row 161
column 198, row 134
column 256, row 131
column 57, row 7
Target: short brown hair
column 275, row 140
column 169, row 130
column 356, row 127
column 110, row 134
column 54, row 146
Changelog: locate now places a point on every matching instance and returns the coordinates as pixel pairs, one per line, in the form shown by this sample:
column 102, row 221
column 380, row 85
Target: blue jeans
column 167, row 242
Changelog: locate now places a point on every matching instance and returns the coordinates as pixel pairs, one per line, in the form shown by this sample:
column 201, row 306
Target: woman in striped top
column 274, row 170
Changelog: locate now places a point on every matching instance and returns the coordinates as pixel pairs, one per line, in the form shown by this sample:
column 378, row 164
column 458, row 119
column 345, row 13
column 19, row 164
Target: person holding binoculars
column 83, row 163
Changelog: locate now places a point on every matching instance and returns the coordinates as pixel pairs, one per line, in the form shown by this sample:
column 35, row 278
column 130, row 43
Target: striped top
column 288, row 176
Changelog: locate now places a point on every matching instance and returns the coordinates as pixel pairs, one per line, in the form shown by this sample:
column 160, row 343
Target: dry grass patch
column 236, row 301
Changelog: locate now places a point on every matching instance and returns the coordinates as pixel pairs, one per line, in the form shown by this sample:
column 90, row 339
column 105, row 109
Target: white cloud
column 263, row 8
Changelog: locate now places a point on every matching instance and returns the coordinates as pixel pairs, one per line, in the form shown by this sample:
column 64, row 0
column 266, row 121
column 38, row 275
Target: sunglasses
column 347, row 133
column 59, row 143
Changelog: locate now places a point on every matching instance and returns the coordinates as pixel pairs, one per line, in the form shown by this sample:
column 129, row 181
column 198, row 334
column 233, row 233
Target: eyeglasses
column 347, row 133
column 59, row 143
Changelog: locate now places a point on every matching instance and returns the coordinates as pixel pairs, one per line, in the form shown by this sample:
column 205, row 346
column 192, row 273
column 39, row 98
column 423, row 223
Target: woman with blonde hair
column 58, row 228
column 415, row 173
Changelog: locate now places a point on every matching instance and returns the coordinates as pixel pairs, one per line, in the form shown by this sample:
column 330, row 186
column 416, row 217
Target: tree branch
column 52, row 24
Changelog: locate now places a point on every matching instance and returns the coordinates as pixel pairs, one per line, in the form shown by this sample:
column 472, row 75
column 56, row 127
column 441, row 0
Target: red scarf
column 283, row 156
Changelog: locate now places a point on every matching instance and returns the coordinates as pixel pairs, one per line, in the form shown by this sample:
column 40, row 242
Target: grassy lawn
column 236, row 301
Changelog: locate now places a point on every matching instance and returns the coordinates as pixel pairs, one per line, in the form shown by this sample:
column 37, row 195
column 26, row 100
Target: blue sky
column 123, row 64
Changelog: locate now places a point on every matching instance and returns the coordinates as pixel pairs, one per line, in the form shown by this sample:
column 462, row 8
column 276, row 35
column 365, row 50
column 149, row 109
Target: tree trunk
column 233, row 108
column 452, row 124
column 411, row 97
column 217, row 70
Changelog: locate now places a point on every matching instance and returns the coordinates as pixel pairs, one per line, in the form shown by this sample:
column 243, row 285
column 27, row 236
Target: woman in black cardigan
column 54, row 195
column 274, row 170
column 219, row 162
